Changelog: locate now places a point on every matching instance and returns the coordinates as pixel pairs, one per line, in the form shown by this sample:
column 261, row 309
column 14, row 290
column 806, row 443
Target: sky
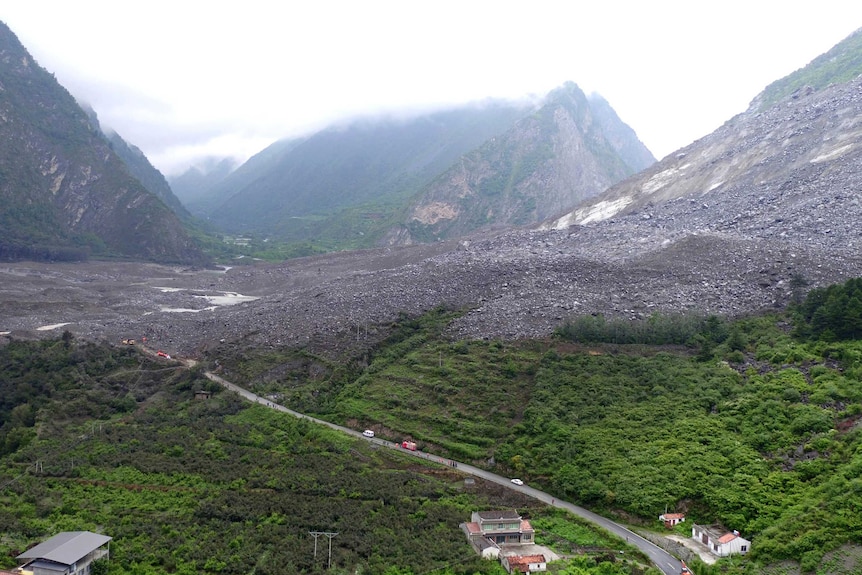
column 184, row 80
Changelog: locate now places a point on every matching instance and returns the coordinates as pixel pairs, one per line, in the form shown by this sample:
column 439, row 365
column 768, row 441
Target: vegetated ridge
column 65, row 193
column 142, row 170
column 491, row 165
column 840, row 64
column 570, row 149
column 287, row 189
column 224, row 486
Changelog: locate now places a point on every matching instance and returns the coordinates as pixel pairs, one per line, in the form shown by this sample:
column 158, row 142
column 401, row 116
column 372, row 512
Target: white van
column 368, row 433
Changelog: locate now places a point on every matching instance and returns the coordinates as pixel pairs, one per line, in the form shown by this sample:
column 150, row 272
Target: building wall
column 734, row 546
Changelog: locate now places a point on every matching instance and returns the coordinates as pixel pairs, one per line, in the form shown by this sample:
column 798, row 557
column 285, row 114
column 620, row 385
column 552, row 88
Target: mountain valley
column 447, row 326
column 725, row 226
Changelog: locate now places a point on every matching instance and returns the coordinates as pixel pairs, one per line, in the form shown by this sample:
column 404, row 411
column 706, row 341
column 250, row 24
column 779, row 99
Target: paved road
column 667, row 563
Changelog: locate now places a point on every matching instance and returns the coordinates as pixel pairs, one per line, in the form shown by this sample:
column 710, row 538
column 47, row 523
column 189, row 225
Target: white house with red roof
column 719, row 542
column 671, row 519
column 524, row 563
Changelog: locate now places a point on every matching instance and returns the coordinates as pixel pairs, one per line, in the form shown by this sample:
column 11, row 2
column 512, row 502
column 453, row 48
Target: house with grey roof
column 67, row 553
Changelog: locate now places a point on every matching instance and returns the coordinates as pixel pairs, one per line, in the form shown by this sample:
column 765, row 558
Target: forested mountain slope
column 122, row 447
column 64, row 194
column 373, row 161
column 570, row 149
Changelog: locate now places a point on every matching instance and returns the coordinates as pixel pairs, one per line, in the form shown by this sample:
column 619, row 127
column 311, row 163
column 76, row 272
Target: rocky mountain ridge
column 790, row 174
column 570, row 149
column 64, row 191
column 486, row 165
column 731, row 224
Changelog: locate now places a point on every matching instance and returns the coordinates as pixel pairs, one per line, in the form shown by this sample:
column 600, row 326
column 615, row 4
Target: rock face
column 569, row 150
column 64, row 191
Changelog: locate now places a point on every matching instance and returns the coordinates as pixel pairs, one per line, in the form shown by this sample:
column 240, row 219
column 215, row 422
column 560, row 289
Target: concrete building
column 67, row 553
column 719, row 542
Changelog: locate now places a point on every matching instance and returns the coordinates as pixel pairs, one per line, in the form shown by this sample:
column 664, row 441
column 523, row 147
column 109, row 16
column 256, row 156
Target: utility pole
column 315, row 534
column 328, row 534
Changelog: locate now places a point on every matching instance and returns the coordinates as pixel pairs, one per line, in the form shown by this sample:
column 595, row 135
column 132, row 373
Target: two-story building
column 503, row 527
column 67, row 553
column 487, row 530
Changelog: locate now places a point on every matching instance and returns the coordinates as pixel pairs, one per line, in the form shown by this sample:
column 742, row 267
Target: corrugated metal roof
column 66, row 547
column 44, row 565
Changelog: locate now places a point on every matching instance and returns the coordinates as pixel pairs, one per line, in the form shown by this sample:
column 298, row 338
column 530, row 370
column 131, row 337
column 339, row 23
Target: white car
column 517, row 482
column 368, row 433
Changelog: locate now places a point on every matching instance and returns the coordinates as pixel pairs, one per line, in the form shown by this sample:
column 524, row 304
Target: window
column 744, row 548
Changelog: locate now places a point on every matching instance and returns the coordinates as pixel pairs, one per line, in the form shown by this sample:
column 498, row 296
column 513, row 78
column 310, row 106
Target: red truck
column 411, row 445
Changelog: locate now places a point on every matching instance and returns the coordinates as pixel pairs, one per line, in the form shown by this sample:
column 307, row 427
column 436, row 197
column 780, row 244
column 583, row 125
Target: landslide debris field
column 739, row 221
column 513, row 285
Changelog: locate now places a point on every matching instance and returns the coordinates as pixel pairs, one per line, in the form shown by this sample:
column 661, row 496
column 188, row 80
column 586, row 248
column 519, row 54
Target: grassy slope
column 840, row 64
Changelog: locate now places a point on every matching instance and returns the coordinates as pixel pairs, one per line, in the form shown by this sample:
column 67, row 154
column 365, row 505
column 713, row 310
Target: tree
column 798, row 283
column 99, row 567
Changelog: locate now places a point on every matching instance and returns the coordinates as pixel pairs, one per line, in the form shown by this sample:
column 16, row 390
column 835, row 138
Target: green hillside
column 745, row 426
column 751, row 424
column 372, row 161
column 103, row 439
column 840, row 64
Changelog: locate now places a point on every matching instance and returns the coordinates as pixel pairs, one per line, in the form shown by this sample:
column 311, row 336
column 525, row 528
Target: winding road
column 667, row 563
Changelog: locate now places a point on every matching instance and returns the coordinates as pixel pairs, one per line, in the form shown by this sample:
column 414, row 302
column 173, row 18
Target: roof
column 492, row 515
column 525, row 526
column 46, row 566
column 727, row 538
column 66, row 547
column 525, row 559
column 473, row 528
column 484, row 543
column 669, row 516
column 713, row 531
